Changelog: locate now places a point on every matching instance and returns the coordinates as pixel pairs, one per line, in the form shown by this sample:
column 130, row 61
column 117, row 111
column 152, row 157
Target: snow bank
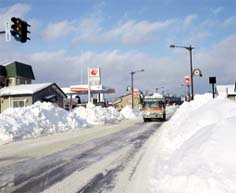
column 45, row 119
column 130, row 113
column 98, row 115
column 195, row 151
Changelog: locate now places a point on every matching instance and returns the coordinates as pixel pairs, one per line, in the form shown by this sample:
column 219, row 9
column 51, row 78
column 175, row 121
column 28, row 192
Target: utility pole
column 132, row 85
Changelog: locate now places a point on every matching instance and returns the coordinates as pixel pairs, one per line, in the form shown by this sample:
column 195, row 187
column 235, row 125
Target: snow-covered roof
column 23, row 89
column 223, row 90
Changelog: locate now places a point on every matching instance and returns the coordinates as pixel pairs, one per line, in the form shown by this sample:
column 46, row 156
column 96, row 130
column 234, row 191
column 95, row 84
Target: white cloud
column 217, row 10
column 132, row 32
column 115, row 65
column 129, row 33
column 89, row 30
column 230, row 21
column 16, row 10
column 57, row 30
column 59, row 67
column 198, row 37
column 188, row 20
column 219, row 61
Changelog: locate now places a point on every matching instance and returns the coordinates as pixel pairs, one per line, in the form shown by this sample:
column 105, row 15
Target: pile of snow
column 45, row 119
column 33, row 121
column 195, row 151
column 130, row 113
column 97, row 115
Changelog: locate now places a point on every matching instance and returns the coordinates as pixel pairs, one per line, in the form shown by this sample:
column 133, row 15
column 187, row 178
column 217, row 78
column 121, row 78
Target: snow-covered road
column 76, row 161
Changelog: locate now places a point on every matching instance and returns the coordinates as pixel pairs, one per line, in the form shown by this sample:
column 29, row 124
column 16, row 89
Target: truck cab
column 154, row 108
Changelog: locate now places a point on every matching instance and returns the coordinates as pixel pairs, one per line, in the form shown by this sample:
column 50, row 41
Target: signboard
column 94, row 76
column 94, row 72
column 7, row 31
column 187, row 81
column 94, row 79
column 212, row 80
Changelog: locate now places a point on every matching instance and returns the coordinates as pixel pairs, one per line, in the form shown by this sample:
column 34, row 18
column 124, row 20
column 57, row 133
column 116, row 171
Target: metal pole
column 132, row 89
column 213, row 90
column 191, row 72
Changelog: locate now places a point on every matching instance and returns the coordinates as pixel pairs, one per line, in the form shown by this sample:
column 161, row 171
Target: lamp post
column 132, row 85
column 190, row 48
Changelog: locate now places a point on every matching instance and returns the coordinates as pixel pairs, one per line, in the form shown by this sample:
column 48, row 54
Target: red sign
column 187, row 81
column 94, row 72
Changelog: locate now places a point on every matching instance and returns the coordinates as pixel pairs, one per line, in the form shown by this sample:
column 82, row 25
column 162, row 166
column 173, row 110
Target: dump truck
column 154, row 108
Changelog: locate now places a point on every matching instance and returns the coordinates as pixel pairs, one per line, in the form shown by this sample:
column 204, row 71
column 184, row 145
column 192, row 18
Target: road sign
column 7, row 32
column 187, row 81
column 212, row 80
column 197, row 72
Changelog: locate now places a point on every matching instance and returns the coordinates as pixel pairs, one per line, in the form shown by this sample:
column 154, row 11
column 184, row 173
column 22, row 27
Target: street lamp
column 190, row 48
column 132, row 84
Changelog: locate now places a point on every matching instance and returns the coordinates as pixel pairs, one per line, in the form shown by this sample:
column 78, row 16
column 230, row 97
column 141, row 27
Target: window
column 17, row 81
column 9, row 82
column 153, row 104
column 18, row 104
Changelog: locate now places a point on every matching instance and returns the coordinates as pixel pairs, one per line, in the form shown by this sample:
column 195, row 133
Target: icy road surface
column 97, row 159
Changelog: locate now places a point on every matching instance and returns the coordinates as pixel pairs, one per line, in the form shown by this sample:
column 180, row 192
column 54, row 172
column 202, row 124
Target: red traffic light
column 16, row 20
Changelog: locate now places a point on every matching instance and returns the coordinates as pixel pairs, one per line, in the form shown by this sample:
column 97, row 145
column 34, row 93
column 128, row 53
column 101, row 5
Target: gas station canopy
column 83, row 89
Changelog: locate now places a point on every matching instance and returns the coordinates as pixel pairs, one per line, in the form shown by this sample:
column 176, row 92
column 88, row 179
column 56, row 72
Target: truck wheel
column 145, row 120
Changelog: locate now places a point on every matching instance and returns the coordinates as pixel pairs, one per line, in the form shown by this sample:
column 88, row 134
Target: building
column 15, row 73
column 122, row 101
column 3, row 76
column 28, row 94
column 126, row 99
column 227, row 91
column 17, row 90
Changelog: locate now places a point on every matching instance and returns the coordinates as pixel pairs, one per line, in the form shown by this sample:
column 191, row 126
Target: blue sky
column 68, row 36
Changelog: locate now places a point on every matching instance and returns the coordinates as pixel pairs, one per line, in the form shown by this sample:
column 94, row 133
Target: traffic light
column 19, row 30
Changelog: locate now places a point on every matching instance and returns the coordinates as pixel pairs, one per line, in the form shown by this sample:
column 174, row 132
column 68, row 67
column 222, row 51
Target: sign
column 94, row 72
column 94, row 79
column 212, row 80
column 197, row 72
column 94, row 76
column 187, row 81
column 7, row 32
